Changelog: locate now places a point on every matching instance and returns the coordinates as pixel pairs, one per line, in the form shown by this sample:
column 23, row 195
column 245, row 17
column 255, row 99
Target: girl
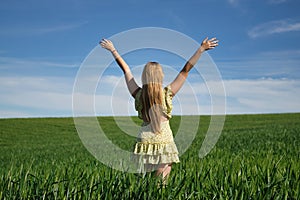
column 155, row 145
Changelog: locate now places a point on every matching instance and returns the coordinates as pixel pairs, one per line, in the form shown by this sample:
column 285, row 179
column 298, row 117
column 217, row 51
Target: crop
column 256, row 157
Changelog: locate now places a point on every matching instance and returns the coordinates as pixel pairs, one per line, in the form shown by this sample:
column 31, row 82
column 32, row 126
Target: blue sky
column 43, row 43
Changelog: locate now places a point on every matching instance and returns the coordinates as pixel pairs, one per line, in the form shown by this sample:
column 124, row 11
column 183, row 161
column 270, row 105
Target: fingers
column 213, row 42
column 105, row 43
column 208, row 44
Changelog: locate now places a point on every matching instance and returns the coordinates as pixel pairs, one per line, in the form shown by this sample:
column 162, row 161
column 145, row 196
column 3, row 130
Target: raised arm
column 180, row 79
column 130, row 82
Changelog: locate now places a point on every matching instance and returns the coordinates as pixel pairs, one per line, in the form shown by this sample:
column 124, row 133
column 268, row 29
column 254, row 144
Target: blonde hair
column 152, row 94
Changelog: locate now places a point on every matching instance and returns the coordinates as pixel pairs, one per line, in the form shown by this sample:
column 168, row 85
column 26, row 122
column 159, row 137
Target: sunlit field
column 256, row 157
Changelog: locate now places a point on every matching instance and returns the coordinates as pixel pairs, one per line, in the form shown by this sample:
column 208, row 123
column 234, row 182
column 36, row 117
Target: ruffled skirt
column 155, row 149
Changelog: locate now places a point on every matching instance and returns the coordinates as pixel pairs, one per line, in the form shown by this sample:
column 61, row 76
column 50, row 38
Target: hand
column 107, row 44
column 209, row 44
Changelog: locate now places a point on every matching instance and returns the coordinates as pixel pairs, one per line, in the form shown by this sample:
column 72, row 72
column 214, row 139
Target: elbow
column 184, row 73
column 187, row 67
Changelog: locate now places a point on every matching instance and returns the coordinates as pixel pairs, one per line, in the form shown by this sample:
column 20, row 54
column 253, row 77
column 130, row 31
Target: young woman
column 155, row 146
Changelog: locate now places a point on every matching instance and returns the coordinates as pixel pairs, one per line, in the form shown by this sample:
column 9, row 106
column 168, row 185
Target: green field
column 256, row 157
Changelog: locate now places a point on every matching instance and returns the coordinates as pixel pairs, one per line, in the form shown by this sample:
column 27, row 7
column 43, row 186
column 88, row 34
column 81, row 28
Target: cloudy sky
column 44, row 43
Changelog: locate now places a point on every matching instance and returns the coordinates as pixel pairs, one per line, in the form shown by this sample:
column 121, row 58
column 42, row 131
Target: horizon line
column 53, row 117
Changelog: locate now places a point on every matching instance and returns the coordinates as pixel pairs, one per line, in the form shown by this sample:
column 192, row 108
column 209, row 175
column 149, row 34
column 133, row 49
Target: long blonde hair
column 152, row 94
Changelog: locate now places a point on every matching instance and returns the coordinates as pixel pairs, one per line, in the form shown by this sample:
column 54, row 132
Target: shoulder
column 168, row 106
column 168, row 92
column 137, row 98
column 137, row 93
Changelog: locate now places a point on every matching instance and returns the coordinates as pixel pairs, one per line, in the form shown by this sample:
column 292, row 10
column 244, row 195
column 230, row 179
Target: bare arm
column 183, row 74
column 130, row 82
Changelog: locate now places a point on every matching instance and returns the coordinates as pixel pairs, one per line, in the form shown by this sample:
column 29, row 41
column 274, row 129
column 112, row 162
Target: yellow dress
column 152, row 148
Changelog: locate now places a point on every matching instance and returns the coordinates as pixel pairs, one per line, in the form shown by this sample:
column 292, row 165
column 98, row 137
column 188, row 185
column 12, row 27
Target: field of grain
column 256, row 157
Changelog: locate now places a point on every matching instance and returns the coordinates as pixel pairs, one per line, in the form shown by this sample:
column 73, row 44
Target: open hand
column 107, row 44
column 208, row 44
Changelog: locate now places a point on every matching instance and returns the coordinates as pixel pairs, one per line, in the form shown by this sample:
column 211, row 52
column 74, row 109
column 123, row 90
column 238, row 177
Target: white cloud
column 274, row 27
column 110, row 79
column 276, row 1
column 35, row 96
column 286, row 54
column 57, row 28
column 20, row 30
column 264, row 95
column 243, row 96
column 270, row 64
column 50, row 84
column 43, row 100
column 233, row 2
column 44, row 96
column 174, row 18
column 14, row 63
column 6, row 113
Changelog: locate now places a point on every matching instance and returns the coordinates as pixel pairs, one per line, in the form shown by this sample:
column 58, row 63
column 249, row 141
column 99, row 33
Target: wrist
column 202, row 49
column 114, row 50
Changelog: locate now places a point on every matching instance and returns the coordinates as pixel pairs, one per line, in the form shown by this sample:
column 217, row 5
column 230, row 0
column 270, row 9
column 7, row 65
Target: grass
column 256, row 157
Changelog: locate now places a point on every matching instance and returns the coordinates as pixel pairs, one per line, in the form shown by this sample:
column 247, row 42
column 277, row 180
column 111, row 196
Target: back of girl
column 155, row 148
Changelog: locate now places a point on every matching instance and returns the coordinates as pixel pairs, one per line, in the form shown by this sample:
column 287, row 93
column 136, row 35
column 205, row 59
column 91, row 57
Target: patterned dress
column 152, row 148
